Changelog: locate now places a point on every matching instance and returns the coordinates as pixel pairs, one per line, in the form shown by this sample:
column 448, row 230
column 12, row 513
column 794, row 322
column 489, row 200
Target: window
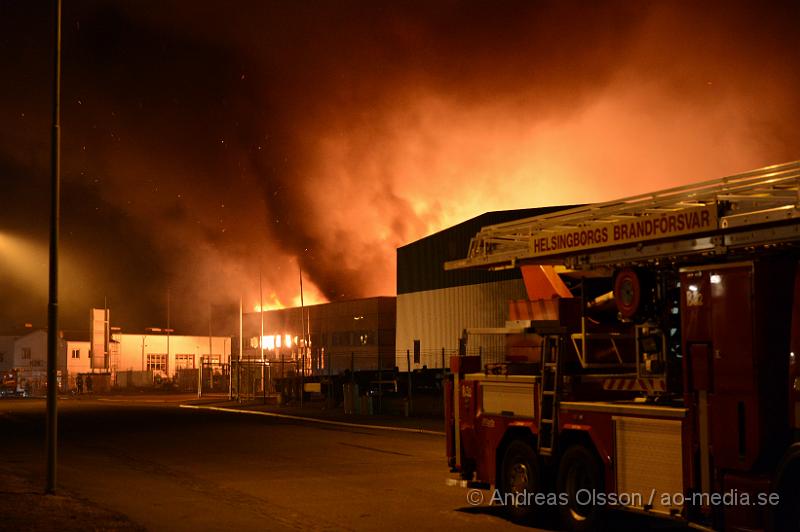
column 76, row 353
column 210, row 359
column 184, row 362
column 36, row 363
column 26, row 353
column 366, row 338
column 157, row 362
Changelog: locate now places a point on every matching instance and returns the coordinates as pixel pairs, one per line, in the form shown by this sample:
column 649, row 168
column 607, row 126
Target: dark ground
column 129, row 462
column 144, row 463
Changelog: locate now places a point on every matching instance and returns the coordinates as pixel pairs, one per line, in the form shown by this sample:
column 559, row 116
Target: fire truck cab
column 652, row 368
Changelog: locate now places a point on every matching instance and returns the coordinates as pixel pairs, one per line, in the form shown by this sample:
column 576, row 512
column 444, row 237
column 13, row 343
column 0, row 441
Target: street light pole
column 144, row 337
column 302, row 334
column 261, row 338
column 169, row 330
column 52, row 307
column 239, row 362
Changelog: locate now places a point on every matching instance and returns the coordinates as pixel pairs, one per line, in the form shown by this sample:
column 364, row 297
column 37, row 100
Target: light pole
column 52, row 306
column 144, row 337
column 261, row 338
column 168, row 330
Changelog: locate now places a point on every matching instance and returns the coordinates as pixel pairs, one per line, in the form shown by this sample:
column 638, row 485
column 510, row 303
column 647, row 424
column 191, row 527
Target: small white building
column 30, row 360
column 30, row 352
column 76, row 351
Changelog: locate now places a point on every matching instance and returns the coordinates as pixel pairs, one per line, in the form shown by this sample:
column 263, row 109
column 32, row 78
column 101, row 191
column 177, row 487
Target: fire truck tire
column 520, row 476
column 580, row 479
column 786, row 516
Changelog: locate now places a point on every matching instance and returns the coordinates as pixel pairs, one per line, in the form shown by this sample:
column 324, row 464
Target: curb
column 314, row 420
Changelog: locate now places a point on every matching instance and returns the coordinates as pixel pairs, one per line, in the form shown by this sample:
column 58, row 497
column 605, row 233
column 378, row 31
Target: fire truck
column 652, row 368
column 9, row 383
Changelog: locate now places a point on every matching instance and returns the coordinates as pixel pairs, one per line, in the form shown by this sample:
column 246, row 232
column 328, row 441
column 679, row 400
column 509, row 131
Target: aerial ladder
column 757, row 208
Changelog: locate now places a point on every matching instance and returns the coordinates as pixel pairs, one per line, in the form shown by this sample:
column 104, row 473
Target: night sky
column 205, row 143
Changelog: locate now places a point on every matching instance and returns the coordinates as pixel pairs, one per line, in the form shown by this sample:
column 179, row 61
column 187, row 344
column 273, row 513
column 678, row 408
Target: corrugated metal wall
column 420, row 264
column 438, row 317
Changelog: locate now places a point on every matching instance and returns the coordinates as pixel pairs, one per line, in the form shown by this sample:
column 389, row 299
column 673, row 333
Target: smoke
column 206, row 148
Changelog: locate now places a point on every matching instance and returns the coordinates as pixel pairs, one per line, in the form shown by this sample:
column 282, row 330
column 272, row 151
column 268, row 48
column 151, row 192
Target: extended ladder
column 549, row 390
column 737, row 205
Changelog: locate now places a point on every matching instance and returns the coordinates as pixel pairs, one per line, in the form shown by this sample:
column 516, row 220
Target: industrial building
column 153, row 353
column 357, row 334
column 434, row 306
column 165, row 354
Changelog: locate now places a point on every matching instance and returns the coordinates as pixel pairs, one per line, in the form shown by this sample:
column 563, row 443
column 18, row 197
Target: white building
column 29, row 358
column 165, row 354
column 149, row 351
column 76, row 350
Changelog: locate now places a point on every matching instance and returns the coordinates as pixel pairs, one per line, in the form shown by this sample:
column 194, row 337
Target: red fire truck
column 9, row 383
column 652, row 368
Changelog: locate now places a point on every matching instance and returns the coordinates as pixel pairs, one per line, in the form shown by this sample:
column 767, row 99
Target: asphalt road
column 168, row 468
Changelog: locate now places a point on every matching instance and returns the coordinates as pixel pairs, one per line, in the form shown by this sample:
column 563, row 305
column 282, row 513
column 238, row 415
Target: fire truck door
column 734, row 400
column 717, row 326
column 696, row 331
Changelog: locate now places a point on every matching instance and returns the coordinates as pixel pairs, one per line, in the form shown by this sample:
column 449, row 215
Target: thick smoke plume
column 205, row 147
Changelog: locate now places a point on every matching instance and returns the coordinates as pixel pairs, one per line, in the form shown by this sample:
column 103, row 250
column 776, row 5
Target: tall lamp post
column 55, row 215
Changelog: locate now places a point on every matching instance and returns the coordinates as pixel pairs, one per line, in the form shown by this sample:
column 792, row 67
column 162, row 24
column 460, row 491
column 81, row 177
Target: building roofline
column 338, row 301
column 523, row 213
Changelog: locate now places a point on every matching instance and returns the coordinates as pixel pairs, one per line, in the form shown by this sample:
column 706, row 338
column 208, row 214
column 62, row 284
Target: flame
column 272, row 303
column 311, row 296
column 268, row 342
column 276, row 341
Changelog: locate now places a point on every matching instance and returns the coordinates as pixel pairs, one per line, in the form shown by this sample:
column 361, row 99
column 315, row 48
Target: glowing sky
column 204, row 144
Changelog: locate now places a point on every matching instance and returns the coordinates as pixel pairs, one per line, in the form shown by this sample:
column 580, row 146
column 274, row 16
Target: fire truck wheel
column 580, row 479
column 786, row 515
column 520, row 480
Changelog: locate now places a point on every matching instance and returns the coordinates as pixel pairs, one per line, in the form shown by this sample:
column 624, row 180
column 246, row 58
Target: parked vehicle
column 10, row 385
column 661, row 377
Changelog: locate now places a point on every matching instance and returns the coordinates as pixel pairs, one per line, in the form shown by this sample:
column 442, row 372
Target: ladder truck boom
column 707, row 217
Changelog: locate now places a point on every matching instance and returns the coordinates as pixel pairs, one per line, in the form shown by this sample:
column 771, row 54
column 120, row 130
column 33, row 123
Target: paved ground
column 171, row 468
column 139, row 462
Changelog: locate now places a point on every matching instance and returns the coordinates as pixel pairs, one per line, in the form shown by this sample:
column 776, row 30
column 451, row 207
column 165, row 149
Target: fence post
column 408, row 361
column 302, row 372
column 230, row 378
column 200, row 377
column 380, row 383
column 330, row 381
